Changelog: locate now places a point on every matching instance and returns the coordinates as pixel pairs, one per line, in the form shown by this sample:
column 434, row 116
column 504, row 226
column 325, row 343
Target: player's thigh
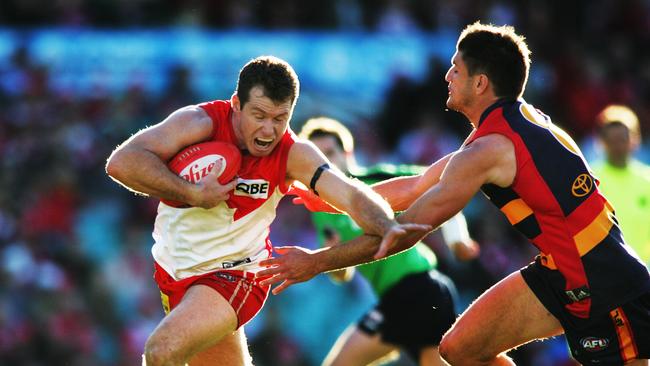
column 201, row 319
column 355, row 347
column 505, row 316
column 231, row 350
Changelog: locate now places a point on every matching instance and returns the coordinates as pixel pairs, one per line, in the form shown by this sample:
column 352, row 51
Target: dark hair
column 499, row 53
column 276, row 77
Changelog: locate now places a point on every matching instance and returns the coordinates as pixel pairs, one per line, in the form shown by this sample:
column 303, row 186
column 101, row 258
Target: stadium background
column 79, row 76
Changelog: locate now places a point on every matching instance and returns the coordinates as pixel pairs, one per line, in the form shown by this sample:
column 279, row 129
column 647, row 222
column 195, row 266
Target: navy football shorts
column 414, row 313
column 612, row 338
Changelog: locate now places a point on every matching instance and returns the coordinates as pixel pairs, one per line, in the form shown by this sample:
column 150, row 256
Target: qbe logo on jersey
column 253, row 188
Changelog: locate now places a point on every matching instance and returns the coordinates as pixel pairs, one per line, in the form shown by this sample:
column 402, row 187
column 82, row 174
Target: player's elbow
column 116, row 165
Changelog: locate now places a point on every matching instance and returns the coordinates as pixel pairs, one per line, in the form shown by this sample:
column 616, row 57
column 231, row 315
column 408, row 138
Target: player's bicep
column 464, row 174
column 303, row 161
column 432, row 174
column 186, row 126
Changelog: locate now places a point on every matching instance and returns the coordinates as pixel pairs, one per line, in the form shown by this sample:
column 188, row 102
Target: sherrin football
column 195, row 162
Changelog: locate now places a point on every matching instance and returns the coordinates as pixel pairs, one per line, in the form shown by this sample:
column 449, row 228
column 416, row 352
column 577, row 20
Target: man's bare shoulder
column 491, row 143
column 191, row 114
column 301, row 147
column 495, row 154
column 183, row 127
column 303, row 156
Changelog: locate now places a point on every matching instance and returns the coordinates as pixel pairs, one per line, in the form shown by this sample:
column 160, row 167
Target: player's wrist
column 386, row 226
column 192, row 194
column 320, row 260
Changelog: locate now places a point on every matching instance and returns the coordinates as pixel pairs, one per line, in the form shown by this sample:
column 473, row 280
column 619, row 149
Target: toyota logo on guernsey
column 582, row 185
column 594, row 344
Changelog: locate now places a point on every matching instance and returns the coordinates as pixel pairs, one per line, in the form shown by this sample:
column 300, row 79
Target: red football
column 195, row 162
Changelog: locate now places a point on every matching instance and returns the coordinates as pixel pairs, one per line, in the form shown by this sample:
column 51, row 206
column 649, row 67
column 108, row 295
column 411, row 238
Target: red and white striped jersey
column 235, row 233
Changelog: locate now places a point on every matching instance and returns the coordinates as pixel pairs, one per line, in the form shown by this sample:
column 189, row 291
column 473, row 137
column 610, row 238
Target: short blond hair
column 319, row 126
column 618, row 113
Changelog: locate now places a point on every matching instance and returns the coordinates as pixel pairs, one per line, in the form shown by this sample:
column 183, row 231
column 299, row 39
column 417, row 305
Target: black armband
column 316, row 176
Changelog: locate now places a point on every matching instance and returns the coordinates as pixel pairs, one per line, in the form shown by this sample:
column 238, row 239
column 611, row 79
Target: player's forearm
column 401, row 192
column 359, row 251
column 143, row 172
column 397, row 191
column 370, row 211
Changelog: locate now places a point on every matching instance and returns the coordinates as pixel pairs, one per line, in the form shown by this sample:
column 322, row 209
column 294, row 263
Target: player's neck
column 475, row 112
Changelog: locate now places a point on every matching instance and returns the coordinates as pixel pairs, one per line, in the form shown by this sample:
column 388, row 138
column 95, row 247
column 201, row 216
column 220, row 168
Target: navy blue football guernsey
column 555, row 202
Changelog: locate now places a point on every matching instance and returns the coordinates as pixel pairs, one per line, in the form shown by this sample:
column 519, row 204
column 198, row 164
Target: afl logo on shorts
column 582, row 185
column 593, row 344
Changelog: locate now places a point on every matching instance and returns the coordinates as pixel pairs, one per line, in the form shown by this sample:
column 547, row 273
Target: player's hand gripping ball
column 195, row 162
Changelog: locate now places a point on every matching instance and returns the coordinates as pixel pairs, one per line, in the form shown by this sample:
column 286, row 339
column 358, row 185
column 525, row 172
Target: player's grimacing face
column 261, row 123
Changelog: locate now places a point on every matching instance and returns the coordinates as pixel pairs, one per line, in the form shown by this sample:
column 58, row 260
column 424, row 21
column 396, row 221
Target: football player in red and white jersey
column 206, row 255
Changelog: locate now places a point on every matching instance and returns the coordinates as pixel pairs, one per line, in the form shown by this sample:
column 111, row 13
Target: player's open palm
column 210, row 191
column 294, row 265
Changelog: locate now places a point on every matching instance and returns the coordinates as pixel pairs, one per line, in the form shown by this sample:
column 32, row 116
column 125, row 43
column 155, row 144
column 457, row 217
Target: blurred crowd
column 75, row 267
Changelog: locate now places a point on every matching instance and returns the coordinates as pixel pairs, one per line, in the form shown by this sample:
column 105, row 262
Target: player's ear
column 235, row 102
column 481, row 83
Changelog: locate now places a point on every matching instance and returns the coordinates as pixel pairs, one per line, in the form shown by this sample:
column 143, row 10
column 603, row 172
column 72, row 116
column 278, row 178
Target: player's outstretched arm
column 332, row 238
column 295, row 264
column 369, row 210
column 399, row 192
column 139, row 163
column 488, row 160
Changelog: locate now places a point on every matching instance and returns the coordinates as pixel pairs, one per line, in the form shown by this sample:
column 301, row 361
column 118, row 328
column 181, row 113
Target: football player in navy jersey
column 586, row 281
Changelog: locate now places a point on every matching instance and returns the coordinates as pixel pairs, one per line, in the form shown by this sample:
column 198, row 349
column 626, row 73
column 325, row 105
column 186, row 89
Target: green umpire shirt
column 628, row 190
column 385, row 273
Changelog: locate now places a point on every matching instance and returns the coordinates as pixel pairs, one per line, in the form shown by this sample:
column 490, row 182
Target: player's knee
column 458, row 351
column 158, row 353
column 446, row 349
column 451, row 349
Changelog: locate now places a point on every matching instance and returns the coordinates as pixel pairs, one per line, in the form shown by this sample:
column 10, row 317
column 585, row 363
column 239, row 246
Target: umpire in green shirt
column 624, row 180
column 406, row 278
